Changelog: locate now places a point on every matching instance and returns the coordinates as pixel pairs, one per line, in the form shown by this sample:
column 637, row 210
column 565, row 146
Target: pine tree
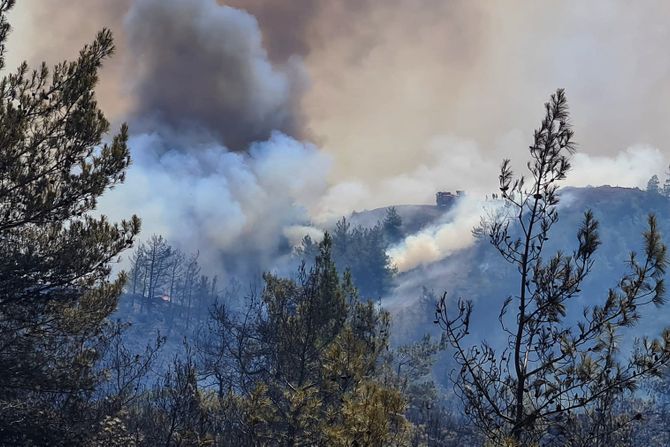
column 653, row 185
column 553, row 367
column 361, row 251
column 392, row 225
column 306, row 357
column 55, row 287
column 666, row 184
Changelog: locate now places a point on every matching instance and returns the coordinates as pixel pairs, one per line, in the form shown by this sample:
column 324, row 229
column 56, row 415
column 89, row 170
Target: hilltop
column 478, row 272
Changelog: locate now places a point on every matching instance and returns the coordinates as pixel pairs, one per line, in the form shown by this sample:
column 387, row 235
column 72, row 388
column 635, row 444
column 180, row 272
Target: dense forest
column 167, row 353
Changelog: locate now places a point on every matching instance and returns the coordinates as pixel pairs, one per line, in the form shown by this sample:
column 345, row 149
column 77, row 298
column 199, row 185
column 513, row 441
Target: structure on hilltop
column 447, row 198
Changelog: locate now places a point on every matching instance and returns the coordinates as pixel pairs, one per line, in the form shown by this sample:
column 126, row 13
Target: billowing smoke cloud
column 387, row 77
column 405, row 97
column 285, row 24
column 237, row 209
column 216, row 165
column 405, row 71
column 448, row 164
column 201, row 67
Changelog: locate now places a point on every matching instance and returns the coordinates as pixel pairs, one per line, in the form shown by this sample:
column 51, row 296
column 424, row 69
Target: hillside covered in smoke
column 472, row 270
column 246, row 123
column 477, row 272
column 291, row 223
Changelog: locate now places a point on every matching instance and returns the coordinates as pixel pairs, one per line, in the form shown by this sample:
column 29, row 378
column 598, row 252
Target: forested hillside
column 250, row 319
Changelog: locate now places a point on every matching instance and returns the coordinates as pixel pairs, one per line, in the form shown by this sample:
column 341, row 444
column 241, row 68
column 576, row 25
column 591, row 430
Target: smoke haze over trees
column 283, row 158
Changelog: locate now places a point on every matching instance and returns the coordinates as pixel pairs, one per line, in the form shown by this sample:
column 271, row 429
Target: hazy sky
column 388, row 77
column 394, row 99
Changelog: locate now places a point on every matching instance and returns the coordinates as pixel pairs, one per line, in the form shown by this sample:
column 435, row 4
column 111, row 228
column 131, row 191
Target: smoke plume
column 388, row 77
column 402, row 97
column 202, row 68
column 439, row 241
column 233, row 207
column 216, row 165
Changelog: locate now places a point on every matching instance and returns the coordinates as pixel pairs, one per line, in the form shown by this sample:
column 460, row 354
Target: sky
column 326, row 107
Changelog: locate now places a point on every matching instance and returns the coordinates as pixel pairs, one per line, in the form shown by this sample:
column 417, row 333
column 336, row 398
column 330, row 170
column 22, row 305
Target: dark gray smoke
column 286, row 25
column 201, row 68
column 217, row 165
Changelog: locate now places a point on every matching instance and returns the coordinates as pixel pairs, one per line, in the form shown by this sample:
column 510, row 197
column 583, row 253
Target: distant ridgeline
column 475, row 272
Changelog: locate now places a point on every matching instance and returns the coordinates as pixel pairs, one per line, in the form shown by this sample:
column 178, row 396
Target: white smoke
column 296, row 233
column 231, row 206
column 437, row 242
column 217, row 164
column 631, row 167
column 451, row 164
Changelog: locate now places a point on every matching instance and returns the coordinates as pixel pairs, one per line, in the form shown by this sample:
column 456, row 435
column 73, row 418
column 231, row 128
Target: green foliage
column 56, row 293
column 112, row 433
column 392, row 226
column 174, row 412
column 308, row 353
column 305, row 361
column 361, row 251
